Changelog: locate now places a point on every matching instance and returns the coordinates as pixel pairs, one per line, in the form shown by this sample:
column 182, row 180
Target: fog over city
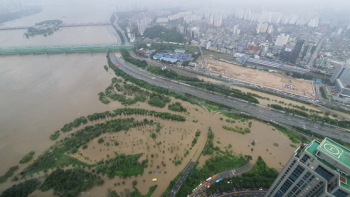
column 163, row 98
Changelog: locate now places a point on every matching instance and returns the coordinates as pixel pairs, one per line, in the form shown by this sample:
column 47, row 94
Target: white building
column 218, row 21
column 270, row 29
column 261, row 28
column 340, row 30
column 281, row 40
column 313, row 22
column 162, row 20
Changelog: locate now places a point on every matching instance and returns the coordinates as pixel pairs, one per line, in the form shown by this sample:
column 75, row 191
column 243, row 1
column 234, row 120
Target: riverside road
column 251, row 109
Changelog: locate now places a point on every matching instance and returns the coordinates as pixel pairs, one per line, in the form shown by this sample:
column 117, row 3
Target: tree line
column 21, row 189
column 237, row 130
column 177, row 107
column 127, row 57
column 158, row 100
column 209, row 146
column 122, row 166
column 226, row 91
column 76, row 122
column 8, row 174
column 70, row 182
column 27, row 157
column 141, row 83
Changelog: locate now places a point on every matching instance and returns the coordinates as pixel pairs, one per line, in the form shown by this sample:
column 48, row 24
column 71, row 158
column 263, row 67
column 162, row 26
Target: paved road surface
column 248, row 108
column 240, row 192
column 226, row 174
column 181, row 179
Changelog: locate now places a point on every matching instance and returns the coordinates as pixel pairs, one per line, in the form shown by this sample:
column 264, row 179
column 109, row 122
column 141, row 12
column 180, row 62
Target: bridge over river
column 61, row 25
column 51, row 49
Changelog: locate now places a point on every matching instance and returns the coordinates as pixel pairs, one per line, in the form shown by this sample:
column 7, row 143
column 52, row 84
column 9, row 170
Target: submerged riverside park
column 75, row 125
column 152, row 138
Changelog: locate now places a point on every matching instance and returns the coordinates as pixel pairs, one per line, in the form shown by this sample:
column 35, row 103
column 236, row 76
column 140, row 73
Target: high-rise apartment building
column 270, row 29
column 261, row 28
column 319, row 169
column 282, row 40
column 313, row 22
column 296, row 51
column 217, row 21
column 235, row 28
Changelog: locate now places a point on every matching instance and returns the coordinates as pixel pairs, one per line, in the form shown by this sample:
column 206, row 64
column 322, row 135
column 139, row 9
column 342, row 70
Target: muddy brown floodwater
column 40, row 93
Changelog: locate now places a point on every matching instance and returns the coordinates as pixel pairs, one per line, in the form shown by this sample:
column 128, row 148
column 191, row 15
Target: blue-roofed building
column 164, row 58
column 151, row 50
column 179, row 51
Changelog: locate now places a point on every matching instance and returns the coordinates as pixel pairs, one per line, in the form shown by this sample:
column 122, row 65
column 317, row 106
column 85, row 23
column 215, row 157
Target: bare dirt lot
column 271, row 80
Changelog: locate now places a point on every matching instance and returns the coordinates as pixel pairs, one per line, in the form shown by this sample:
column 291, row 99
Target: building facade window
column 340, row 193
column 305, row 158
column 324, row 173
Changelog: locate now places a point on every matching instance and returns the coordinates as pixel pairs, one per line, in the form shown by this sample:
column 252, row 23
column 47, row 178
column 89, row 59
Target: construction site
column 260, row 77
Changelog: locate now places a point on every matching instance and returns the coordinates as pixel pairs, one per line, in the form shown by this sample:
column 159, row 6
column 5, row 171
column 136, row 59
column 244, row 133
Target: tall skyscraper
column 336, row 73
column 281, row 40
column 296, row 51
column 319, row 169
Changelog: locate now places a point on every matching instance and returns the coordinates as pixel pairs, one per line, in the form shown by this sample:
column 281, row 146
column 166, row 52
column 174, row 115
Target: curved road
column 251, row 109
column 226, row 174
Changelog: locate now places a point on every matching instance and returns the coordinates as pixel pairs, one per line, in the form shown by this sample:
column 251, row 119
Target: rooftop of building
column 324, row 146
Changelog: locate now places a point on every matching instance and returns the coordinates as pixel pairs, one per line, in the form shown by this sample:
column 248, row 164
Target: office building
column 336, row 73
column 341, row 79
column 319, row 169
column 305, row 51
column 282, row 40
column 296, row 51
column 286, row 54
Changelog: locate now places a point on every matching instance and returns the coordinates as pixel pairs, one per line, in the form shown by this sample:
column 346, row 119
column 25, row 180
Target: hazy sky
column 273, row 5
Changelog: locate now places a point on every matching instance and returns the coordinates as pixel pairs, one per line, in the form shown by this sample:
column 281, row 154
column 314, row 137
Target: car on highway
column 260, row 189
column 208, row 179
column 218, row 180
column 208, row 186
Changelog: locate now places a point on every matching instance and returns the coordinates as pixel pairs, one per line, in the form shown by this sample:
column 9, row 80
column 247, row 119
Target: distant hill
column 163, row 33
